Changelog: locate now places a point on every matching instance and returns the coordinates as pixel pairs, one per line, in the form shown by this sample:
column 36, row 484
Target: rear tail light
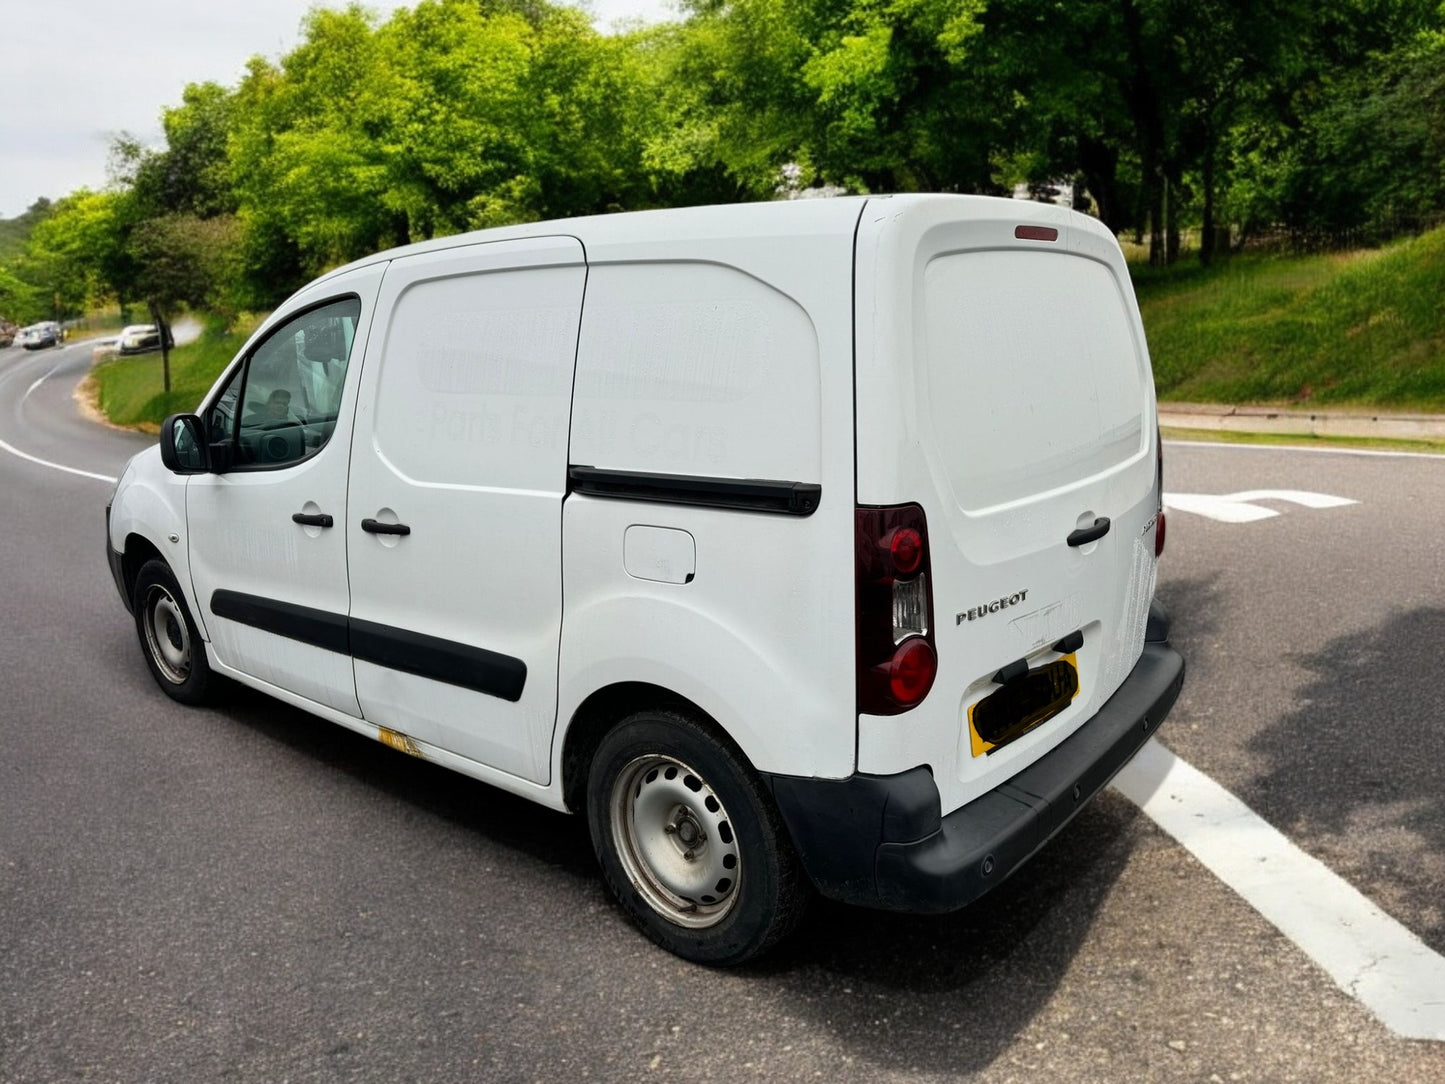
column 897, row 660
column 1159, row 530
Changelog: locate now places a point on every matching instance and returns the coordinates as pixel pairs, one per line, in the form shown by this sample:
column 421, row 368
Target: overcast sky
column 74, row 73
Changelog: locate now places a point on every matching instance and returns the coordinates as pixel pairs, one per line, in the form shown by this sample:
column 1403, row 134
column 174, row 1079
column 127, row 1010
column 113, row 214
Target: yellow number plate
column 1027, row 702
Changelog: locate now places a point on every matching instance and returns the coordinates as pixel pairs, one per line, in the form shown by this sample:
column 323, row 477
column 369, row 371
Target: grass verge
column 1362, row 328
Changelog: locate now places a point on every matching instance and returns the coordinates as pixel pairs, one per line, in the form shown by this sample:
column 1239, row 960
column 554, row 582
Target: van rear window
column 1032, row 375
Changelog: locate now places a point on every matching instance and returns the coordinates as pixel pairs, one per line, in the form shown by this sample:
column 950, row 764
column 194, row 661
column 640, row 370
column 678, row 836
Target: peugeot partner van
column 801, row 547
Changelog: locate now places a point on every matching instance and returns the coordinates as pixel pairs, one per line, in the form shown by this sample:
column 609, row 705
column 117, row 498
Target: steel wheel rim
column 168, row 640
column 675, row 841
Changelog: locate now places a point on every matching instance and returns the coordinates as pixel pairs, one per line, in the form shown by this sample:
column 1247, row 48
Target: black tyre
column 169, row 639
column 690, row 842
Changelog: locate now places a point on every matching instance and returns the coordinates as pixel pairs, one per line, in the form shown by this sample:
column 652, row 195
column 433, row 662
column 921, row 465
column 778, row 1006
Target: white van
column 804, row 545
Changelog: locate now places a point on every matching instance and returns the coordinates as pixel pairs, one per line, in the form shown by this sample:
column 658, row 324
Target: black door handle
column 375, row 526
column 307, row 519
column 1084, row 535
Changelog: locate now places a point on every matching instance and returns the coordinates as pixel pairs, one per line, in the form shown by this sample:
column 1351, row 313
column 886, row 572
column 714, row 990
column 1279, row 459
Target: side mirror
column 183, row 445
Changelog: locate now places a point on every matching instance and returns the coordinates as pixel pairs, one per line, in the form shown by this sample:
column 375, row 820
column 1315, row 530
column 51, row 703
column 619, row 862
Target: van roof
column 607, row 236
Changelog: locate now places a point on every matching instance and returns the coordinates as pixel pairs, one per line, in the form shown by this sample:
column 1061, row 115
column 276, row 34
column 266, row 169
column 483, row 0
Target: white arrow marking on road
column 1239, row 507
column 1370, row 956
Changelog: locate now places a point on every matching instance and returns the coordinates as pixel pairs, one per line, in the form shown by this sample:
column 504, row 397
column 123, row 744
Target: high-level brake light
column 1036, row 233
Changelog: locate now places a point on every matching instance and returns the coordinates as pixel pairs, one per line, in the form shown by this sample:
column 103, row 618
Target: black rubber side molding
column 1084, row 535
column 743, row 494
column 447, row 661
column 441, row 660
column 319, row 628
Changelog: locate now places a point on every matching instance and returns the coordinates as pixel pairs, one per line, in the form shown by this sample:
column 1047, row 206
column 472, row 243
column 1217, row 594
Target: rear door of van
column 458, row 470
column 1003, row 387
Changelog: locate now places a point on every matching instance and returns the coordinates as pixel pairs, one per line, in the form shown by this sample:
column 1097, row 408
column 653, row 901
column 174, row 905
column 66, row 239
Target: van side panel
column 729, row 369
column 696, row 369
column 461, row 439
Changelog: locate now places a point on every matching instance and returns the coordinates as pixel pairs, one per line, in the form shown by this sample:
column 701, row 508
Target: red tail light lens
column 1159, row 530
column 897, row 660
column 911, row 671
column 905, row 549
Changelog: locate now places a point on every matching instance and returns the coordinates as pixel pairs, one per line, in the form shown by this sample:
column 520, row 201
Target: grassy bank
column 129, row 390
column 1360, row 328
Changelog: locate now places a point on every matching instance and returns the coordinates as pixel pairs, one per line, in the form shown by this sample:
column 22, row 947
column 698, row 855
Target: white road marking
column 1240, row 507
column 30, row 390
column 1369, row 955
column 1220, row 509
column 54, row 466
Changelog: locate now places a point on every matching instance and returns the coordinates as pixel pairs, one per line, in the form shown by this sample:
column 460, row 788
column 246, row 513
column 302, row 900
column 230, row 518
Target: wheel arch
column 138, row 550
column 600, row 712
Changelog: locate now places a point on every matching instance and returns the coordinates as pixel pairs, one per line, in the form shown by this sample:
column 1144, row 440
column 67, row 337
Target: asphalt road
column 247, row 893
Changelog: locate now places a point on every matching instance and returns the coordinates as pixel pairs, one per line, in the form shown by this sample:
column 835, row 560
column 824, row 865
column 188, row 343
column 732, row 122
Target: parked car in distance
column 38, row 336
column 138, row 338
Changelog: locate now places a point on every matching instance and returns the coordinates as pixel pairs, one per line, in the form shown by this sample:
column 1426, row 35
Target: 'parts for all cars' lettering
column 992, row 607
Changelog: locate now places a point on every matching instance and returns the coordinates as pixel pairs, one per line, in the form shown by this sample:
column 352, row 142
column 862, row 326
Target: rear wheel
column 690, row 842
column 169, row 638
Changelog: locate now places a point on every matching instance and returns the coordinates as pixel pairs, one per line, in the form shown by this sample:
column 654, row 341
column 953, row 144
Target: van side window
column 290, row 388
column 221, row 418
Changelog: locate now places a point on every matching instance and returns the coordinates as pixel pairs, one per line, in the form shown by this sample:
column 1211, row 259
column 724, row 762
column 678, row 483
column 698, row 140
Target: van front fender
column 150, row 503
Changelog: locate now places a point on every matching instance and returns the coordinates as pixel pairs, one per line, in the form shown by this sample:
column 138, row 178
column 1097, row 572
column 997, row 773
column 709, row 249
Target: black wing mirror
column 183, row 445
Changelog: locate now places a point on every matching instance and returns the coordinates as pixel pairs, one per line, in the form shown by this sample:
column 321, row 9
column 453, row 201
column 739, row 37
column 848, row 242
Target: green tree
column 306, row 147
column 185, row 261
column 20, row 301
column 77, row 254
column 192, row 175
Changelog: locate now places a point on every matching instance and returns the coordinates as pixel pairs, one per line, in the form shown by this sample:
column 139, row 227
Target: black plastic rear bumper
column 880, row 841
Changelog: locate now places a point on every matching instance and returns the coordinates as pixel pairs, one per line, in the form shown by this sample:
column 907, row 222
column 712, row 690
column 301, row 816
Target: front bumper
column 116, row 562
column 879, row 841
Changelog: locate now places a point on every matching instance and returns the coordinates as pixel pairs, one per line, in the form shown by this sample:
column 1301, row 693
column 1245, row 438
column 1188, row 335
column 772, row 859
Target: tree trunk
column 1206, row 234
column 1171, row 242
column 1100, row 166
column 165, row 330
column 1156, row 221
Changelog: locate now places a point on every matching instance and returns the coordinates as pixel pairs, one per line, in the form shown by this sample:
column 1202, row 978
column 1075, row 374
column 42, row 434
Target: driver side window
column 289, row 389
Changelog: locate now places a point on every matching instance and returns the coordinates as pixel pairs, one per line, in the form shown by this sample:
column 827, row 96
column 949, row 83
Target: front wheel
column 690, row 842
column 169, row 638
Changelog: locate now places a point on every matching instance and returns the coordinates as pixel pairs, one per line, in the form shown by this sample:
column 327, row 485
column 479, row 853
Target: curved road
column 245, row 892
